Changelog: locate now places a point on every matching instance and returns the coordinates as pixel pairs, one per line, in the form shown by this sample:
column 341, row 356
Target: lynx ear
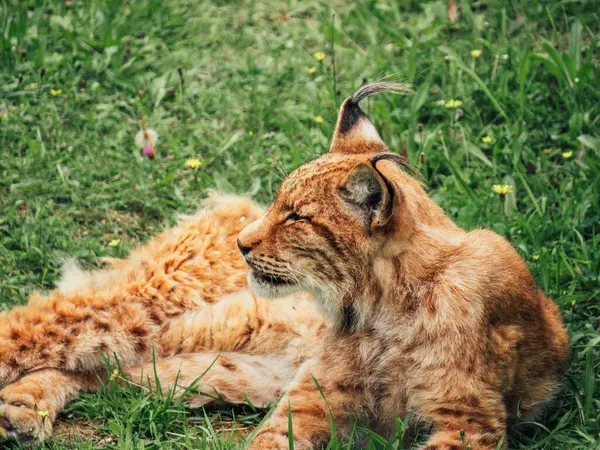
column 369, row 192
column 354, row 133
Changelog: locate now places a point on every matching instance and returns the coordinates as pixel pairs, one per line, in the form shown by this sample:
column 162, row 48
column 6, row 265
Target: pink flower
column 149, row 152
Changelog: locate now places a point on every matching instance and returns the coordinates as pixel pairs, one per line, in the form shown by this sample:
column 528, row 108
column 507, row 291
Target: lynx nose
column 251, row 236
column 244, row 250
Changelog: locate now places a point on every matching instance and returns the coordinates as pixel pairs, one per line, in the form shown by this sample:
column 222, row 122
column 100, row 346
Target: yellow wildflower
column 42, row 413
column 453, row 104
column 114, row 375
column 567, row 155
column 311, row 69
column 55, row 92
column 114, row 243
column 502, row 189
column 547, row 151
column 476, row 53
column 319, row 119
column 535, row 257
column 487, row 139
column 573, row 302
column 193, row 163
column 319, row 56
column 250, row 133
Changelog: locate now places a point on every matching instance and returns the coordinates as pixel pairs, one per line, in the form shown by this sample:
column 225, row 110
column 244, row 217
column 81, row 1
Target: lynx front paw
column 277, row 441
column 479, row 442
column 444, row 447
column 23, row 424
column 270, row 441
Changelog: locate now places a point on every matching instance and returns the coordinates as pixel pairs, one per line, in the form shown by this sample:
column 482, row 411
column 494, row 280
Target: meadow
column 504, row 125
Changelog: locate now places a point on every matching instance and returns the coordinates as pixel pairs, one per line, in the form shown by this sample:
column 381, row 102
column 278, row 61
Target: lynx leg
column 246, row 323
column 24, row 403
column 310, row 411
column 227, row 377
column 477, row 420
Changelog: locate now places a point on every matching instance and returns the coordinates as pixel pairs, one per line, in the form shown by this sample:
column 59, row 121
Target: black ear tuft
column 354, row 133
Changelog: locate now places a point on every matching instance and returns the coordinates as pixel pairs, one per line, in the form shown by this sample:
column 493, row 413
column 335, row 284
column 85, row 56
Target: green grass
column 72, row 180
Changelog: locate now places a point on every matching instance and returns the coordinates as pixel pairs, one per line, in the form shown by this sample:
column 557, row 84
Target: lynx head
column 332, row 217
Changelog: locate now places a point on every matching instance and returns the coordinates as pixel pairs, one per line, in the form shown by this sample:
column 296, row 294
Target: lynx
column 384, row 306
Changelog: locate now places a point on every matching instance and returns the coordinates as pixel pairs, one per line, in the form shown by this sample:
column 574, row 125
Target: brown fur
column 423, row 315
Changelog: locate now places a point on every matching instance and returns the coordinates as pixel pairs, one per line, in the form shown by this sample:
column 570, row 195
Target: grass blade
column 290, row 427
column 523, row 71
